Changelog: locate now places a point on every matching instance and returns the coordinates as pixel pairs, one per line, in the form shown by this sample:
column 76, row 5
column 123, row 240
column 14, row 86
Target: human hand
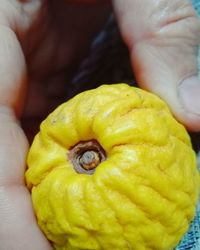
column 18, row 227
column 38, row 45
column 162, row 37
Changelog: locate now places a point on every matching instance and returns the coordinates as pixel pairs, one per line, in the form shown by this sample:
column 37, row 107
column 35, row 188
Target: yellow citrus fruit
column 111, row 169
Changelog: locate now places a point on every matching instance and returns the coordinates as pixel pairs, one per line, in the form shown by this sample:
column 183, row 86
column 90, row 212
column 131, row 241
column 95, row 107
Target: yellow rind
column 142, row 197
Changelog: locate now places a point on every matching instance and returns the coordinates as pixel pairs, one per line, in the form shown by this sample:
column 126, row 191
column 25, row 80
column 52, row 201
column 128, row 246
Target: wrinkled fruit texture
column 142, row 196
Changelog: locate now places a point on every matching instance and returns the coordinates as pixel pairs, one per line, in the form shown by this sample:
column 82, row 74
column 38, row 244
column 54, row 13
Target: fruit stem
column 86, row 156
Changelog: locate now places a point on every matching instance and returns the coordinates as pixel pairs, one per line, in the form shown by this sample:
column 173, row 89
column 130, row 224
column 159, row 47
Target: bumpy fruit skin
column 142, row 197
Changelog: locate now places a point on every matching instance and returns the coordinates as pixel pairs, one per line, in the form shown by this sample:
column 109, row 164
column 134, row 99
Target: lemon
column 111, row 169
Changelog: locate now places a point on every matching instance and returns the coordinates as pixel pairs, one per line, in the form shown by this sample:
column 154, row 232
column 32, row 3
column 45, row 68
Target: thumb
column 162, row 37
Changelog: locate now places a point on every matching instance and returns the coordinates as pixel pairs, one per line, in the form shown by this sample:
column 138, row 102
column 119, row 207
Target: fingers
column 12, row 70
column 13, row 149
column 162, row 37
column 16, row 18
column 18, row 227
column 189, row 93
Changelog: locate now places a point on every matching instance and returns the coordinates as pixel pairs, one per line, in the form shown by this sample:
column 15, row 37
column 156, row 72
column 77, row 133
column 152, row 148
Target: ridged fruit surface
column 111, row 169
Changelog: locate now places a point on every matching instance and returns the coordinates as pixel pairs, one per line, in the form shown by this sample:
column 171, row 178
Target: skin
column 162, row 37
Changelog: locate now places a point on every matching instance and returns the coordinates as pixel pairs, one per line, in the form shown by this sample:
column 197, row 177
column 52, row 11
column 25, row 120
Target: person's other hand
column 162, row 37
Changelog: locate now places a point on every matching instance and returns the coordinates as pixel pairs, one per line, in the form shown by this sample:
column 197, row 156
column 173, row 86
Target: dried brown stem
column 86, row 156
